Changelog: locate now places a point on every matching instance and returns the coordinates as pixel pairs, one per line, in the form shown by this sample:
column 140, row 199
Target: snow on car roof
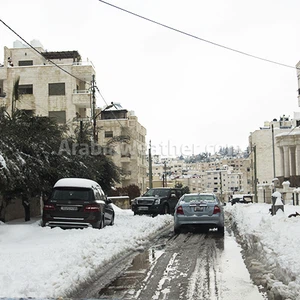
column 76, row 182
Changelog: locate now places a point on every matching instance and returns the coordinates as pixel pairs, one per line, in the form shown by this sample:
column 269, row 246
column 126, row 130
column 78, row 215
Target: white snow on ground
column 275, row 241
column 42, row 262
column 235, row 278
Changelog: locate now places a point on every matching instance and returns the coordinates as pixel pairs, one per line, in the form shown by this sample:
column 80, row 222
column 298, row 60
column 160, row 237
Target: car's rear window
column 197, row 198
column 157, row 192
column 72, row 194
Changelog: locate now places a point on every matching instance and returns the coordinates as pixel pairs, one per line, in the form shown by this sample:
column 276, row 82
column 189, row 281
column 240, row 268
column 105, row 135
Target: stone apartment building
column 121, row 129
column 268, row 148
column 44, row 88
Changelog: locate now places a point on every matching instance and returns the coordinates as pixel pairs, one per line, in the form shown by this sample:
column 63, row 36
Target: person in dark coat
column 26, row 205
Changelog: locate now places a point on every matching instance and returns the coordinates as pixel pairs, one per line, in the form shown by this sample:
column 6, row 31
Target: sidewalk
column 22, row 221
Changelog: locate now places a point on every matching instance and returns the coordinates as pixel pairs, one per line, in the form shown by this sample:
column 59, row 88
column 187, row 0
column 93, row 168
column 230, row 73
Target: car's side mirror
column 108, row 201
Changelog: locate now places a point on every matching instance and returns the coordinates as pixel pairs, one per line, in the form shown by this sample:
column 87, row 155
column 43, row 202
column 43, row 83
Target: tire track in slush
column 192, row 270
column 187, row 267
column 205, row 279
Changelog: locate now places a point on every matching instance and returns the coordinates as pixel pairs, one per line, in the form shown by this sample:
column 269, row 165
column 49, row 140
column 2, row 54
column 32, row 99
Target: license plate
column 143, row 208
column 68, row 208
column 199, row 208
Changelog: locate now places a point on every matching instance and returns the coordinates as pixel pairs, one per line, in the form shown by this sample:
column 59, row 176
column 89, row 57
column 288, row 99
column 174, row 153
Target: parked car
column 156, row 201
column 77, row 203
column 202, row 210
column 241, row 199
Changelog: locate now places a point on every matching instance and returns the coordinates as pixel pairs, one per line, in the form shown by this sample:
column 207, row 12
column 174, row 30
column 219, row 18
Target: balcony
column 126, row 175
column 125, row 158
column 82, row 98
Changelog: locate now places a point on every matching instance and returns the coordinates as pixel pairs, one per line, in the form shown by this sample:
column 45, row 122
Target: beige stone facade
column 274, row 147
column 61, row 91
column 122, row 126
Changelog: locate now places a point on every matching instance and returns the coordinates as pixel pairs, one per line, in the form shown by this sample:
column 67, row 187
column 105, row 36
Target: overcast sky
column 190, row 95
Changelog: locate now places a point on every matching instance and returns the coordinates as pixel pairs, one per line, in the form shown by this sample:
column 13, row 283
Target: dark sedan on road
column 202, row 210
column 245, row 199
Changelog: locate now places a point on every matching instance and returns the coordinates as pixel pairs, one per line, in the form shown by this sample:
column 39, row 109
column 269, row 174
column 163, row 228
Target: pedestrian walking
column 26, row 205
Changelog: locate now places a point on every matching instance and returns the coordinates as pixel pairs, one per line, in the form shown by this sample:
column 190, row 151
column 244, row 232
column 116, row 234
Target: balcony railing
column 126, row 174
column 81, row 91
column 82, row 98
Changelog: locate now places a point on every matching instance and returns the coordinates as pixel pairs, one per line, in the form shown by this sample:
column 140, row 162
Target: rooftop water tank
column 36, row 44
column 19, row 44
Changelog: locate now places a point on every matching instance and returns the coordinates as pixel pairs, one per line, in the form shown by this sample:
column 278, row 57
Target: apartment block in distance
column 44, row 88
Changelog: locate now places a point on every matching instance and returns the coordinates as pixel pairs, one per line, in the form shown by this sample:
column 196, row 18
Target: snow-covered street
column 42, row 262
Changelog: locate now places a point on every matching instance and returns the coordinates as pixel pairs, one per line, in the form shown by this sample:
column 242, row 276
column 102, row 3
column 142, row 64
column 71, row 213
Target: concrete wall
column 15, row 210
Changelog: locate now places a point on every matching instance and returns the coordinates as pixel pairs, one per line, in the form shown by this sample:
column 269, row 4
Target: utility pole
column 94, row 109
column 165, row 168
column 150, row 167
column 255, row 175
column 273, row 147
column 221, row 188
column 81, row 132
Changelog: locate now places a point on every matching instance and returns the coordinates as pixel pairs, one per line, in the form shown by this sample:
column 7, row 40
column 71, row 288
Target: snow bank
column 271, row 244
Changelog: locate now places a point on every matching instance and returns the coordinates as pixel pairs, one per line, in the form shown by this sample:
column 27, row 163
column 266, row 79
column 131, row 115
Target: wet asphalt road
column 184, row 266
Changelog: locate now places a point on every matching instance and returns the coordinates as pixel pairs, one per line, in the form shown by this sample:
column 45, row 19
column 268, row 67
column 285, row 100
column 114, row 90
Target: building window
column 59, row 116
column 109, row 134
column 25, row 89
column 25, row 63
column 56, row 89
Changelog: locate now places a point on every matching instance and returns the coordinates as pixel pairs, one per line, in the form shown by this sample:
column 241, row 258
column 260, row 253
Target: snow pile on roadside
column 42, row 262
column 273, row 243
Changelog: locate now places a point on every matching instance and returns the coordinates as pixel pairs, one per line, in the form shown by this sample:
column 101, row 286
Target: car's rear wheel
column 221, row 230
column 166, row 209
column 177, row 230
column 101, row 225
column 112, row 221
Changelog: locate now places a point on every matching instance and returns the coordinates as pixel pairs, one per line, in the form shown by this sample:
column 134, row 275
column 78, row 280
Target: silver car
column 199, row 210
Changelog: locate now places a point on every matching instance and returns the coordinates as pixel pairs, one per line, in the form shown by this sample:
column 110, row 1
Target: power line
column 198, row 38
column 52, row 62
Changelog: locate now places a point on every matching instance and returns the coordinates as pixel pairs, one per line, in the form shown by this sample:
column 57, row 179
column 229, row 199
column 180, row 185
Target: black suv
column 156, row 201
column 77, row 203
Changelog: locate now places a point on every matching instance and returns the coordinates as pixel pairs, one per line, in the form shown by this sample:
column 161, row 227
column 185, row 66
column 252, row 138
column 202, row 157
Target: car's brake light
column 92, row 207
column 49, row 207
column 216, row 209
column 179, row 210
